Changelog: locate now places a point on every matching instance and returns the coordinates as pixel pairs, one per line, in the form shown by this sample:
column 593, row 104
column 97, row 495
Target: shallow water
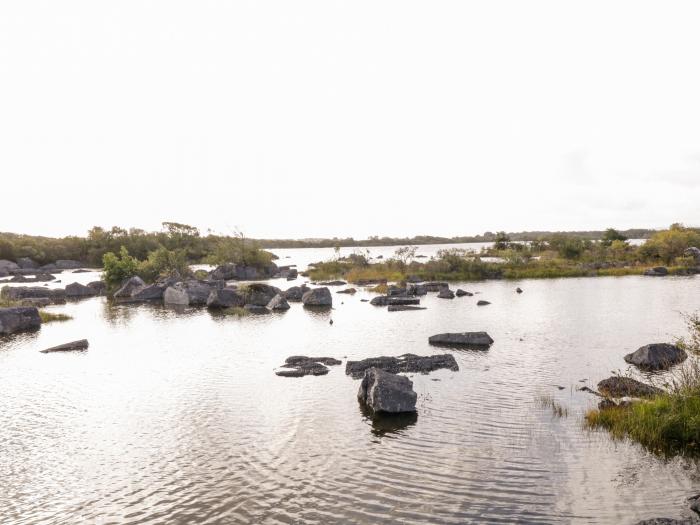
column 177, row 417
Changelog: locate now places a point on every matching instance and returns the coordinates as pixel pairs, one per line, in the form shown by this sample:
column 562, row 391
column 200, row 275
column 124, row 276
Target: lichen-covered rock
column 317, row 297
column 384, row 392
column 658, row 356
column 617, row 386
column 19, row 319
column 462, row 339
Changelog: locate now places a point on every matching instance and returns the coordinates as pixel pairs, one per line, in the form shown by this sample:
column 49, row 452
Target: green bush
column 164, row 263
column 117, row 268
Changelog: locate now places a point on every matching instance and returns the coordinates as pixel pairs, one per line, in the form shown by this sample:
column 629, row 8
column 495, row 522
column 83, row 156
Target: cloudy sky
column 324, row 118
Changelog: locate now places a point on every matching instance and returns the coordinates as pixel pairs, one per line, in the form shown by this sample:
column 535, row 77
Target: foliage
column 164, row 263
column 47, row 317
column 612, row 235
column 665, row 246
column 117, row 268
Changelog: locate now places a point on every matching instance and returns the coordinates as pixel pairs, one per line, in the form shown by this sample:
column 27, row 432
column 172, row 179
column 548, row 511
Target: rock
column 295, row 293
column 658, row 356
column 68, row 347
column 151, row 292
column 518, row 290
column 36, row 278
column 27, row 264
column 659, row 271
column 15, row 293
column 435, row 286
column 38, row 302
column 8, row 267
column 197, row 292
column 404, row 363
column 289, row 273
column 129, row 286
column 176, row 296
column 351, row 291
column 230, row 271
column 317, row 297
column 259, row 294
column 416, row 289
column 298, row 366
column 404, row 308
column 476, row 339
column 394, row 291
column 446, row 293
column 100, row 287
column 225, row 298
column 384, row 300
column 19, row 319
column 482, row 303
column 278, row 303
column 256, row 309
column 80, row 290
column 617, row 386
column 63, row 264
column 333, row 283
column 462, row 293
column 606, row 404
column 384, row 392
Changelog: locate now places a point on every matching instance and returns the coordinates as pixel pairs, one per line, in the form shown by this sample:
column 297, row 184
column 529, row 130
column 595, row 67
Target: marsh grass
column 547, row 401
column 235, row 311
column 48, row 317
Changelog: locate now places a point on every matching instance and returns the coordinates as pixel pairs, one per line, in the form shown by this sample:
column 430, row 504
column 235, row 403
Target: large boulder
column 19, row 319
column 191, row 292
column 259, row 294
column 278, row 303
column 129, row 286
column 295, row 293
column 27, row 264
column 7, row 267
column 225, row 298
column 100, row 287
column 617, row 386
column 384, row 392
column 658, row 356
column 151, row 292
column 461, row 339
column 318, row 297
column 176, row 295
column 407, row 363
column 416, row 289
column 446, row 293
column 75, row 290
column 15, row 293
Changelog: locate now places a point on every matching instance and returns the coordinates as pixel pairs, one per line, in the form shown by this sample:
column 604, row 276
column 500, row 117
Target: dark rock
column 176, row 295
column 384, row 392
column 75, row 290
column 278, row 303
column 225, row 298
column 479, row 339
column 151, row 292
column 36, row 278
column 230, row 271
column 8, row 267
column 19, row 319
column 518, row 290
column 659, row 356
column 15, row 293
column 27, row 263
column 404, row 308
column 482, row 303
column 435, row 286
column 333, row 283
column 192, row 292
column 606, row 404
column 659, row 271
column 317, row 297
column 68, row 347
column 348, row 291
column 38, row 302
column 259, row 294
column 394, row 291
column 616, row 386
column 405, row 363
column 462, row 293
column 384, row 300
column 129, row 286
column 256, row 309
column 298, row 366
column 370, row 282
column 100, row 287
column 446, row 293
column 416, row 289
column 295, row 293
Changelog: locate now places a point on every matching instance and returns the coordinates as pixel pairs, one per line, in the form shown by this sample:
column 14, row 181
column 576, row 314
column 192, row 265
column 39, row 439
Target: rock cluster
column 299, row 366
column 403, row 363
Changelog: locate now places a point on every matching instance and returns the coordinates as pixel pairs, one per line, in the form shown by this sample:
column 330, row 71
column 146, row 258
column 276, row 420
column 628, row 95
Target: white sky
column 308, row 119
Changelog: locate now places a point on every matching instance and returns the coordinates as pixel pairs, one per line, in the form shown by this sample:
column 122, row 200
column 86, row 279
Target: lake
column 177, row 416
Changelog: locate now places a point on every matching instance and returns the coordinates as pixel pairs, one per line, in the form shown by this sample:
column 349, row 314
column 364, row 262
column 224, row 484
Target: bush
column 117, row 268
column 164, row 263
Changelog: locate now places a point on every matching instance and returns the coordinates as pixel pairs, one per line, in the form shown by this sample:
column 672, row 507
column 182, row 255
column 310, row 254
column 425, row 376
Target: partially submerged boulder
column 462, row 293
column 317, row 297
column 26, row 263
column 151, row 292
column 481, row 302
column 617, row 386
column 416, row 289
column 385, row 300
column 129, row 286
column 77, row 290
column 19, row 319
column 446, row 293
column 404, row 308
column 657, row 356
column 68, row 347
column 278, row 303
column 191, row 292
column 175, row 296
column 480, row 339
column 225, row 298
column 403, row 363
column 350, row 291
column 435, row 286
column 333, row 283
column 384, row 392
column 299, row 366
column 259, row 294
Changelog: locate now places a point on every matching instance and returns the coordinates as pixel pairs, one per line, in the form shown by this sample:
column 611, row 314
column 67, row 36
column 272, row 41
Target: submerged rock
column 481, row 302
column 404, row 363
column 617, row 386
column 462, row 339
column 462, row 293
column 384, row 392
column 19, row 319
column 385, row 300
column 317, row 297
column 519, row 290
column 446, row 293
column 68, row 347
column 404, row 308
column 658, row 356
column 298, row 366
column 348, row 291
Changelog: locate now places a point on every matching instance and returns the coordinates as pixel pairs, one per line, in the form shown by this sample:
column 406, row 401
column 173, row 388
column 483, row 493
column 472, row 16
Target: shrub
column 117, row 268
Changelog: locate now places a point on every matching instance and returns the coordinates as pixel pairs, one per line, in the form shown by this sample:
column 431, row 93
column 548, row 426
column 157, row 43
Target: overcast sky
column 308, row 119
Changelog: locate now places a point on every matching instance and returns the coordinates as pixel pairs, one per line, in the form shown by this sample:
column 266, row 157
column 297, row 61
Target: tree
column 501, row 241
column 611, row 235
column 116, row 268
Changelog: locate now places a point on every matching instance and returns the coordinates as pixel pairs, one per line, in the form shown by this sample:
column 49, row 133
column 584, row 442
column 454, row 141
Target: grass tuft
column 548, row 401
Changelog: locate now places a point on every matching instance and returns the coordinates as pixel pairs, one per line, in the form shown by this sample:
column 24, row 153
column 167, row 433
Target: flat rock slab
column 385, row 300
column 299, row 366
column 387, row 393
column 68, row 347
column 404, row 308
column 659, row 356
column 482, row 303
column 475, row 339
column 405, row 363
column 626, row 387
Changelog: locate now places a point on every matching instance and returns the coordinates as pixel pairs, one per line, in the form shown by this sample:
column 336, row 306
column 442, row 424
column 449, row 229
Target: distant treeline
column 200, row 248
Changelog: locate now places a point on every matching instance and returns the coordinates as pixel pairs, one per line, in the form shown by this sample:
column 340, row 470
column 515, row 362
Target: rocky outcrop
column 225, row 298
column 278, row 303
column 68, row 347
column 385, row 300
column 239, row 272
column 15, row 293
column 404, row 363
column 129, row 286
column 317, row 297
column 384, row 392
column 77, row 290
column 176, row 296
column 295, row 293
column 658, row 356
column 476, row 339
column 435, row 286
column 19, row 319
column 659, row 271
column 404, row 308
column 27, row 263
column 192, row 292
column 481, row 302
column 446, row 293
column 299, row 366
column 259, row 294
column 8, row 267
column 617, row 386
